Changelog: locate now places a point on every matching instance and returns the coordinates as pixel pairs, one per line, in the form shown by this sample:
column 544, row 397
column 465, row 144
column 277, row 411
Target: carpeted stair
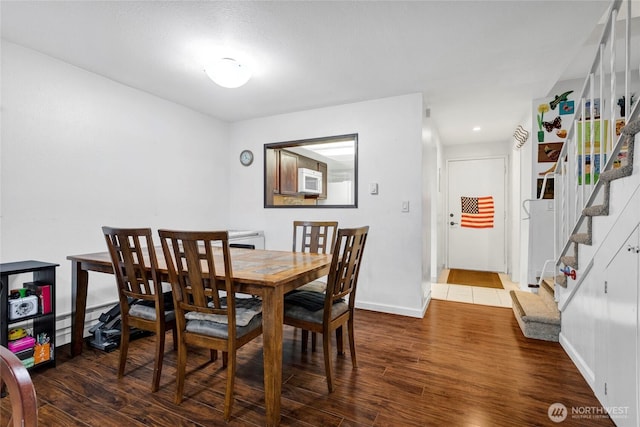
column 629, row 131
column 537, row 314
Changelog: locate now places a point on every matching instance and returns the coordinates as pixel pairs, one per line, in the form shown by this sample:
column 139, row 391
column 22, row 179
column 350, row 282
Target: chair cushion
column 246, row 310
column 310, row 300
column 149, row 312
column 220, row 330
column 146, row 309
column 309, row 306
column 315, row 286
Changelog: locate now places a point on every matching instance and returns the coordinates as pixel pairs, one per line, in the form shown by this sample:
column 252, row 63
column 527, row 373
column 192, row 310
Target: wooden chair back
column 345, row 267
column 22, row 394
column 135, row 266
column 314, row 236
column 192, row 271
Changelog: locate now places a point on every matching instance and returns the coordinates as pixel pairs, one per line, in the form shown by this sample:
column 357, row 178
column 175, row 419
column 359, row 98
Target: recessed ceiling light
column 476, row 129
column 229, row 73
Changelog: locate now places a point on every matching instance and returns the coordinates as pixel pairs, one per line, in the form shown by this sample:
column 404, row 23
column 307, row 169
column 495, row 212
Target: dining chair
column 143, row 305
column 16, row 381
column 313, row 237
column 208, row 315
column 328, row 312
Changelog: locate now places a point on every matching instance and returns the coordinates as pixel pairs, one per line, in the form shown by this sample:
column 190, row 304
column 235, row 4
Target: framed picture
column 591, row 169
column 548, row 189
column 566, row 107
column 549, row 152
column 619, row 126
column 596, row 109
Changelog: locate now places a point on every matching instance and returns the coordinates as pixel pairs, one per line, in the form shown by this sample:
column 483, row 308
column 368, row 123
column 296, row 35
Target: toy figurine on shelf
column 621, row 104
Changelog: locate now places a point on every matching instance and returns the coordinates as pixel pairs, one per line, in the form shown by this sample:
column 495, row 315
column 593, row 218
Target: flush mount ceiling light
column 229, row 73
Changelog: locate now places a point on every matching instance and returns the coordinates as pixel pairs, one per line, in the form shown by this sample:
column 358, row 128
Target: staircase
column 629, row 132
column 538, row 314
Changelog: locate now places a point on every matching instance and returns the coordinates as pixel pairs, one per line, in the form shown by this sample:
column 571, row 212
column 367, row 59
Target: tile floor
column 473, row 294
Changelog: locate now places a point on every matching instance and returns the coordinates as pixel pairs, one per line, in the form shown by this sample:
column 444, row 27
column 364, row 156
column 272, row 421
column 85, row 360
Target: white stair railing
column 592, row 145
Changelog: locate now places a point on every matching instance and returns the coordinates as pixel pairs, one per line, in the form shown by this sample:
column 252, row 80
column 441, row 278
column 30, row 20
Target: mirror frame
column 313, row 141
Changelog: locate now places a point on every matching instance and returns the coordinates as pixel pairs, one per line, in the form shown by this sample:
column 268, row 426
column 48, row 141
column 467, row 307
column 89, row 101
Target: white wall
column 389, row 153
column 430, row 237
column 80, row 151
column 436, row 166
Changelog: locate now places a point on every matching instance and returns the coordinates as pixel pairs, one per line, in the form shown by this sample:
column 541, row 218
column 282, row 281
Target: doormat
column 485, row 279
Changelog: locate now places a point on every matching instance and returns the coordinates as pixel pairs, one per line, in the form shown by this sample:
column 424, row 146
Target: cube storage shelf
column 41, row 325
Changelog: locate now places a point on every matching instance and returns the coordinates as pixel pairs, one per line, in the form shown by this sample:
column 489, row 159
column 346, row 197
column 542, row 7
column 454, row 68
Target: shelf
column 39, row 323
column 28, row 318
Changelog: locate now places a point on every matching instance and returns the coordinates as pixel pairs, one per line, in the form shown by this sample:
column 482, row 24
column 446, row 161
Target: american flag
column 477, row 212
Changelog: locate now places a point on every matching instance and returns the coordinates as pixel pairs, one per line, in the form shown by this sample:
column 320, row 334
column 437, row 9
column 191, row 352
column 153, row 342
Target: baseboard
column 577, row 360
column 393, row 309
column 63, row 322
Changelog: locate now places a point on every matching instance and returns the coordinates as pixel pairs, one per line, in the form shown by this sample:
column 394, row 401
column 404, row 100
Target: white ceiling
column 478, row 63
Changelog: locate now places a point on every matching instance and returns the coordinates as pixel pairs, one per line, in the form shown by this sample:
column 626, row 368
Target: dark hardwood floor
column 462, row 365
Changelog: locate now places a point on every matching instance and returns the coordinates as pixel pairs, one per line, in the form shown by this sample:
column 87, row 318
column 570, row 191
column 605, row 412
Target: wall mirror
column 312, row 173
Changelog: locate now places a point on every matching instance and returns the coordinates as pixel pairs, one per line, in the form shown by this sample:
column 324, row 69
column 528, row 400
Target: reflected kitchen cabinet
column 322, row 167
column 288, row 173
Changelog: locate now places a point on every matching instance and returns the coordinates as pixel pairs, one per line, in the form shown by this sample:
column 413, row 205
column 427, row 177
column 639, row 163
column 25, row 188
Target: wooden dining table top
column 250, row 266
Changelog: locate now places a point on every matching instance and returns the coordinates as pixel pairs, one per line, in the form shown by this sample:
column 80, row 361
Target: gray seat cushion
column 149, row 312
column 246, row 310
column 146, row 309
column 315, row 286
column 248, row 317
column 220, row 330
column 310, row 300
column 309, row 306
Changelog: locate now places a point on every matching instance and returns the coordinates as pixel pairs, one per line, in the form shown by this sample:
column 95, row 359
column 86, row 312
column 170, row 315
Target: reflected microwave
column 309, row 181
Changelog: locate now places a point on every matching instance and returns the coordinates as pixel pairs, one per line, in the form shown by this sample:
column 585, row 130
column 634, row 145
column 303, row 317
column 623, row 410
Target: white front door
column 475, row 218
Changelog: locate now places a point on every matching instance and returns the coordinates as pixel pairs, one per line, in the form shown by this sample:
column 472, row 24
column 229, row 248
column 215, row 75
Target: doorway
column 476, row 214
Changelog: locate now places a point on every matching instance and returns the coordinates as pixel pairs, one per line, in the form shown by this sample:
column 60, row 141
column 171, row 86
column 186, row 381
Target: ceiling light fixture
column 229, row 73
column 477, row 129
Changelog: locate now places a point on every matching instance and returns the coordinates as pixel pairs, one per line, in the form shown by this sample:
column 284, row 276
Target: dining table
column 266, row 273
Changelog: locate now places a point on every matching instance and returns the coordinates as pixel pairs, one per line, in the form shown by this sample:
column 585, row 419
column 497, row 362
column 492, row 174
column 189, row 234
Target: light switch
column 405, row 206
column 373, row 188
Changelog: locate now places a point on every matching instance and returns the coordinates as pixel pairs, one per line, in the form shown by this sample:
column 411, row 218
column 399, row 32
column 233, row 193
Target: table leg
column 272, row 318
column 79, row 283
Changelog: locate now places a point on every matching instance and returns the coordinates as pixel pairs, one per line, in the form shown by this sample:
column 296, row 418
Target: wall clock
column 246, row 157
